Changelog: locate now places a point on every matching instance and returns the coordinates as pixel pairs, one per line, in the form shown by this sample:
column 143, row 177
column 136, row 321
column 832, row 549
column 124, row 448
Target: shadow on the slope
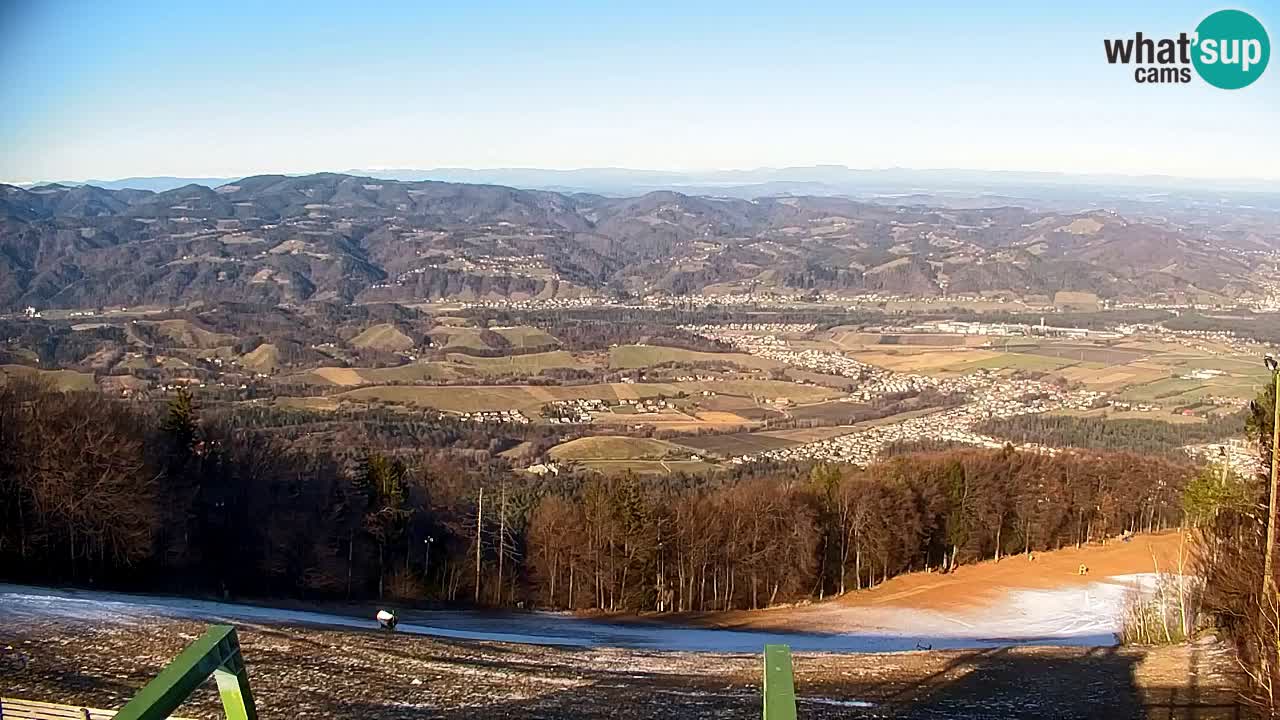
column 1097, row 683
column 996, row 683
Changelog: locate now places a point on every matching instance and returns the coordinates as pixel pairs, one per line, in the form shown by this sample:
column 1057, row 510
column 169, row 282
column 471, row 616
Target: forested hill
column 1135, row 435
column 338, row 238
column 102, row 492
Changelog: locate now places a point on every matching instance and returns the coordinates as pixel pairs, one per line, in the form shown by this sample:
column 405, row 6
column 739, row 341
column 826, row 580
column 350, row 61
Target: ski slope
column 1086, row 615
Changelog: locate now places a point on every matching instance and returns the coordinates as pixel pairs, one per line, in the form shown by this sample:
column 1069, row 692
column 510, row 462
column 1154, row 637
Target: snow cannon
column 387, row 620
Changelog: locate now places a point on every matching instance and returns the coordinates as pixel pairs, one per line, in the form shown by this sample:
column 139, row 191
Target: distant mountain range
column 158, row 183
column 950, row 187
column 342, row 238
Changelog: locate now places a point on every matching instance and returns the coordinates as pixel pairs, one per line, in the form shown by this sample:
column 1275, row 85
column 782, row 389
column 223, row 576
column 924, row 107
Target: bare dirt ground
column 305, row 672
column 971, row 588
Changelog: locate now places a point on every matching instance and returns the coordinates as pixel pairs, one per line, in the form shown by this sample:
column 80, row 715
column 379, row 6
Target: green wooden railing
column 779, row 684
column 215, row 653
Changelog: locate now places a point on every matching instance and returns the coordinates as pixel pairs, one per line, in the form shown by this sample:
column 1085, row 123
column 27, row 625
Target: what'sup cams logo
column 1229, row 50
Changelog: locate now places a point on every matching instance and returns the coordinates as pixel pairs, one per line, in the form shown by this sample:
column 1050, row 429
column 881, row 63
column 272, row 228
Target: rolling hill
column 275, row 239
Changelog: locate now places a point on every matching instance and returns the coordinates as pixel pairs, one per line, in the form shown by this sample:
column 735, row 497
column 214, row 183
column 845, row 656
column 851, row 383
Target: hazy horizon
column 703, row 177
column 149, row 89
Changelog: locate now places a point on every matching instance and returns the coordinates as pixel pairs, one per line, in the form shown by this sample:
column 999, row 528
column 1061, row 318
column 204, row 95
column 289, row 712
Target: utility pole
column 1268, row 581
column 426, row 559
column 479, row 514
column 502, row 538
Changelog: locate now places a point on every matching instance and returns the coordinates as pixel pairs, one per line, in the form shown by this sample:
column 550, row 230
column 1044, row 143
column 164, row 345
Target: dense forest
column 1100, row 433
column 1264, row 327
column 351, row 433
column 97, row 491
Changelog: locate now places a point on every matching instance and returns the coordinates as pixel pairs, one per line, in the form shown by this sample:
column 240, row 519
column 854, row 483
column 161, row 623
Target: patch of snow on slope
column 1088, row 615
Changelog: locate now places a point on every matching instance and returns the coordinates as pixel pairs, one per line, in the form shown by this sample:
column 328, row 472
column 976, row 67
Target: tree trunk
column 479, row 515
column 555, row 571
column 822, row 571
column 502, row 540
column 857, row 567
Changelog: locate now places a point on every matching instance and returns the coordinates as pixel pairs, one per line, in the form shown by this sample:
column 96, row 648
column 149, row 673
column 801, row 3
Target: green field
column 1179, row 391
column 1234, row 364
column 1021, row 361
column 1161, row 390
column 531, row 364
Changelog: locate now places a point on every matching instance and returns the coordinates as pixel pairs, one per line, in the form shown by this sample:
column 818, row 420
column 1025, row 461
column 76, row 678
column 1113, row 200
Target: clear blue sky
column 114, row 89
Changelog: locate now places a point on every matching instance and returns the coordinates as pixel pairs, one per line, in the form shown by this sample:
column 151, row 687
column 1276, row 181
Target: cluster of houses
column 648, row 405
column 495, row 416
column 753, row 329
column 751, row 299
column 544, row 468
column 989, row 396
column 1137, row 406
column 945, row 299
column 697, row 378
column 1002, row 399
column 577, row 410
column 1202, row 374
column 556, row 303
column 960, row 327
column 507, row 266
column 1228, row 402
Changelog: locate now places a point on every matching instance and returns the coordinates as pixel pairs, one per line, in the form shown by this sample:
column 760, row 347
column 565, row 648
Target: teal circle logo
column 1232, row 49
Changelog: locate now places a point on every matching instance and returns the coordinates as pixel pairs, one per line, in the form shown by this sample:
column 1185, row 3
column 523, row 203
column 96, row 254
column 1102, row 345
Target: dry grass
column 263, row 359
column 383, row 337
column 924, row 361
column 1164, row 616
column 613, row 447
column 339, row 376
column 60, row 379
